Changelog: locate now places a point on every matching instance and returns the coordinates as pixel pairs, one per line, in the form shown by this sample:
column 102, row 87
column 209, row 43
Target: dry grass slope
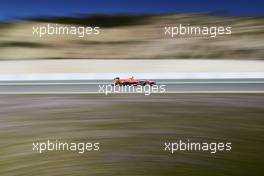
column 134, row 38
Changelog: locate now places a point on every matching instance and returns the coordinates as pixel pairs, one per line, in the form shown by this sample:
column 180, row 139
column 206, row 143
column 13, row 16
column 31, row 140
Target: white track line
column 174, row 92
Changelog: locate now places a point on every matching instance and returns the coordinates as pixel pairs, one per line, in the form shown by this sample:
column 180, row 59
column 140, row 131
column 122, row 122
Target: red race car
column 132, row 81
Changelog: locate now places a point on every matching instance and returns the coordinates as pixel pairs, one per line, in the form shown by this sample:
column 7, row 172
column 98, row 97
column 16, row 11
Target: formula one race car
column 132, row 81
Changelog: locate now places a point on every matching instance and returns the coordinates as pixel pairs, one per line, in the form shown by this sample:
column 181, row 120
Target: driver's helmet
column 116, row 80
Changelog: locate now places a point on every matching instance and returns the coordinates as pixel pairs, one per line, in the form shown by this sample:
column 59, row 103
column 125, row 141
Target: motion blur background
column 131, row 29
column 130, row 128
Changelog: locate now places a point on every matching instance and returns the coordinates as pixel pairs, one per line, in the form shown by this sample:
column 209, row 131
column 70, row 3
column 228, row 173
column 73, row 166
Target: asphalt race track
column 172, row 86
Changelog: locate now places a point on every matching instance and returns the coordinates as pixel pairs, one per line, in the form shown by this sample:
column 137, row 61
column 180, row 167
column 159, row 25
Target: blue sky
column 11, row 9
